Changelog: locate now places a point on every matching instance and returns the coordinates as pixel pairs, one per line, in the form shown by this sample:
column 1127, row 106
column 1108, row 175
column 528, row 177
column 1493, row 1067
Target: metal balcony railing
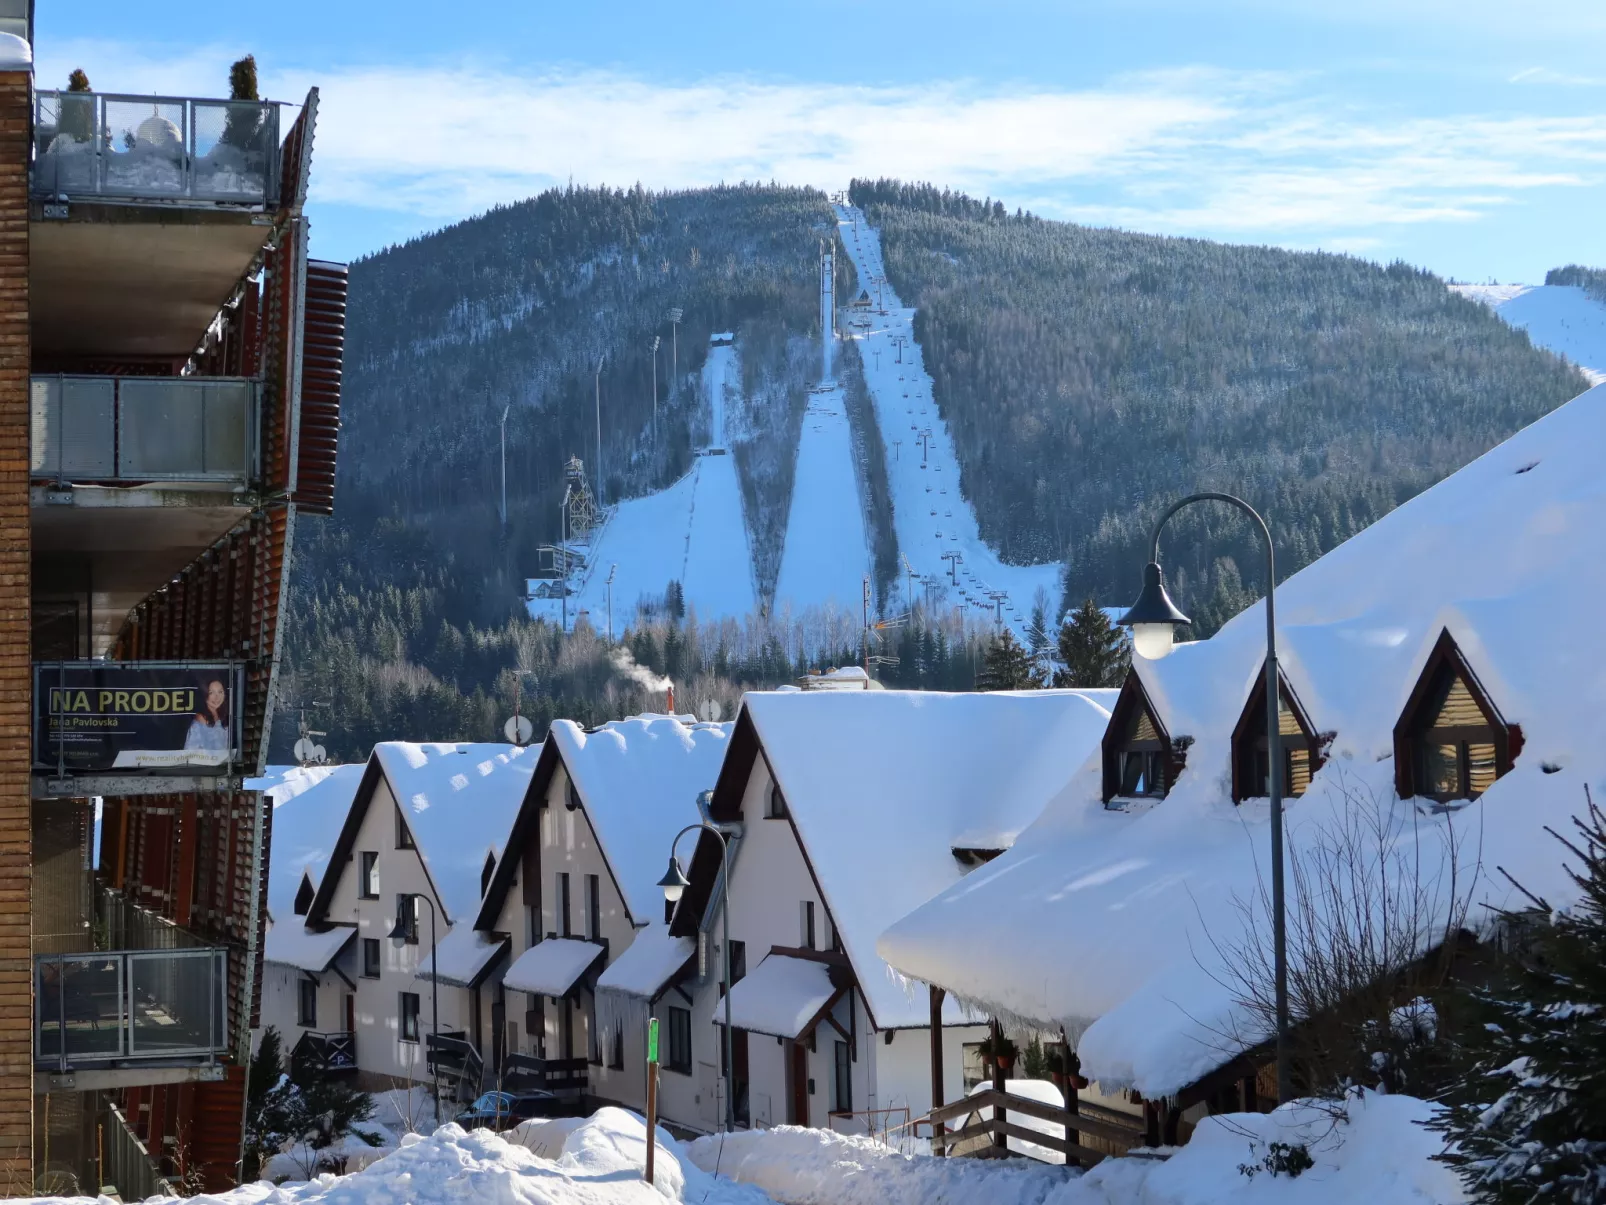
column 125, row 1164
column 95, row 145
column 122, row 429
column 129, row 1006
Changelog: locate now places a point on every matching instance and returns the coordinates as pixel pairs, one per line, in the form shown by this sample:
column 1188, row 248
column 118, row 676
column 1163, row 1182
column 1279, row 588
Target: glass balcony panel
column 74, row 426
column 79, row 1007
column 175, row 1002
column 143, row 148
column 162, row 432
column 235, row 146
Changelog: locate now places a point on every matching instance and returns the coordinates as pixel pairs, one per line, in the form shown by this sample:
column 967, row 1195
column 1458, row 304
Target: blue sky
column 1462, row 135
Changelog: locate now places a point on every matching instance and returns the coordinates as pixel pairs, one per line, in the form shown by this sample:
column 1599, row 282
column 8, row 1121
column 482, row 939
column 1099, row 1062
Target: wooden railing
column 1114, row 1130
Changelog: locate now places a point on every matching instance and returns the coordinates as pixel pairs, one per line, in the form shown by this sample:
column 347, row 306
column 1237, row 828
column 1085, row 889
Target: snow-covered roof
column 459, row 801
column 292, row 944
column 551, row 967
column 881, row 785
column 1138, row 906
column 462, row 956
column 650, row 961
column 779, row 997
column 309, row 807
column 15, row 53
column 639, row 780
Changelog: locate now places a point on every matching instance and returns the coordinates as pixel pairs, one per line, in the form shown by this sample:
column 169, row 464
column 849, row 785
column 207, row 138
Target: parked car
column 504, row 1110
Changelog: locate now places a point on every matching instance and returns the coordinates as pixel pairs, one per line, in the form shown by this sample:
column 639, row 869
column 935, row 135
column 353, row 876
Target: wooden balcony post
column 1000, row 1080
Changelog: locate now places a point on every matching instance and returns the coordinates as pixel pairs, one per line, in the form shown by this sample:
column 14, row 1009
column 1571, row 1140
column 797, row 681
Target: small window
column 368, row 880
column 593, row 907
column 832, row 937
column 407, row 917
column 679, row 1040
column 808, row 924
column 775, row 803
column 1455, row 750
column 616, row 1050
column 842, row 1080
column 370, row 958
column 409, row 1016
column 738, row 962
column 593, row 1038
column 304, row 894
column 973, row 1068
column 307, row 1004
column 573, row 797
column 404, row 835
column 1138, row 760
column 564, row 929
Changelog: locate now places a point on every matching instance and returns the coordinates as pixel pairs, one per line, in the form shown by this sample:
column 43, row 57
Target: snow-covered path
column 931, row 516
column 693, row 532
column 826, row 554
column 1565, row 319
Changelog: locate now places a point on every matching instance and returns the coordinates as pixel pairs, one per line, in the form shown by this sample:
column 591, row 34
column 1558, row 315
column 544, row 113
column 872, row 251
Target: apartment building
column 170, row 363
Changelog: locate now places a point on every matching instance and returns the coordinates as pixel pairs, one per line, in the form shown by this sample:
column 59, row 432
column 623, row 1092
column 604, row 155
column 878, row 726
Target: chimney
column 669, row 703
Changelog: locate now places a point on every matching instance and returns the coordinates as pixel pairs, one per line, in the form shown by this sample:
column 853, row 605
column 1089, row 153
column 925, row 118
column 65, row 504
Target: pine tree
column 1037, row 640
column 1006, row 665
column 1527, row 1118
column 241, row 123
column 1093, row 651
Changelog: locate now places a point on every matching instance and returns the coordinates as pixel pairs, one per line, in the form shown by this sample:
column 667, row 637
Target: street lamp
column 674, row 884
column 401, row 931
column 1154, row 619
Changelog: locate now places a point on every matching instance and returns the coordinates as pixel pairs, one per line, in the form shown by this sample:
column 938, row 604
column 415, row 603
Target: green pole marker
column 652, row 1040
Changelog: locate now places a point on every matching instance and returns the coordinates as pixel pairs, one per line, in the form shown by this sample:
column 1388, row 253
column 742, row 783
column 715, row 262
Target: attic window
column 774, row 803
column 1450, row 743
column 1297, row 740
column 486, row 872
column 1140, row 760
column 304, row 894
column 404, row 835
column 573, row 800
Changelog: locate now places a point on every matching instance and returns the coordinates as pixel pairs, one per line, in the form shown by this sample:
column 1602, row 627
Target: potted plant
column 997, row 1048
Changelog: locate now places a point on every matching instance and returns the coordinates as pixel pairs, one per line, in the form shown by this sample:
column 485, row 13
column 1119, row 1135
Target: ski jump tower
column 827, row 305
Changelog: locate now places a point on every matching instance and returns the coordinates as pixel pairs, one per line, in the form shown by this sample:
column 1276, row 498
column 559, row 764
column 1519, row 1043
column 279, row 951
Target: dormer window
column 1297, row 741
column 1139, row 758
column 1450, row 742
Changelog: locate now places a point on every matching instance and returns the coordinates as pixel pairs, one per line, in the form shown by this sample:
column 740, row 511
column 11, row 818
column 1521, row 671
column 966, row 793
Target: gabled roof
column 1503, row 555
column 458, row 801
column 881, row 786
column 638, row 780
column 309, row 807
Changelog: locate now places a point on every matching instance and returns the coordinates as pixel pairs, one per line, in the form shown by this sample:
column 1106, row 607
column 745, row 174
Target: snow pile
column 635, row 979
column 1564, row 319
column 1138, row 904
column 550, row 967
column 459, row 801
column 1378, row 1154
column 15, row 53
column 931, row 515
column 909, row 773
column 638, row 780
column 461, row 957
column 780, row 996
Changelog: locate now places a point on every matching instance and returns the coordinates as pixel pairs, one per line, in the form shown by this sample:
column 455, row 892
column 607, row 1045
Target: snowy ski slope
column 931, row 515
column 693, row 532
column 826, row 554
column 1565, row 319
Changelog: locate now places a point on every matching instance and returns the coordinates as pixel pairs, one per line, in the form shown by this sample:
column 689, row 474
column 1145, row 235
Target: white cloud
column 1201, row 150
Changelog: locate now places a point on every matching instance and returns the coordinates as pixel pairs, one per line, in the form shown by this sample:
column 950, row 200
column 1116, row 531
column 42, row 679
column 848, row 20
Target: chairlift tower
column 954, row 559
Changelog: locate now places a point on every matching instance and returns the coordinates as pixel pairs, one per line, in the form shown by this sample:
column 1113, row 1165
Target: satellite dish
column 518, row 729
column 711, row 711
column 310, row 754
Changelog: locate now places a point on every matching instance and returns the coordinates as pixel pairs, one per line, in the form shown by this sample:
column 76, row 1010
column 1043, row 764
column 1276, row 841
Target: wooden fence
column 1090, row 1132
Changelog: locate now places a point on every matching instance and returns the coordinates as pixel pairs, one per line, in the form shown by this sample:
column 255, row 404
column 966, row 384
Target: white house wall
column 381, row 1054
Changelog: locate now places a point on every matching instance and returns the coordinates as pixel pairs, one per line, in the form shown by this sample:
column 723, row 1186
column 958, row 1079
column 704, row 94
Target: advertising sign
column 95, row 717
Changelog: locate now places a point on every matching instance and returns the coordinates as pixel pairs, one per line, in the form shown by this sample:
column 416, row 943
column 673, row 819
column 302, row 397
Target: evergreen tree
column 242, row 122
column 1006, row 665
column 1527, row 1119
column 1094, row 652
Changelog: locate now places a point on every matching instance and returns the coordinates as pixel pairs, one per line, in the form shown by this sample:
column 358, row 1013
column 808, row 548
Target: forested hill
column 1091, row 376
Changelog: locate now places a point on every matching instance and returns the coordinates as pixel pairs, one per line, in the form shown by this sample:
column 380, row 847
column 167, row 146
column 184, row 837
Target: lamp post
column 1154, row 619
column 655, row 342
column 400, row 932
column 505, row 409
column 674, row 884
column 600, row 359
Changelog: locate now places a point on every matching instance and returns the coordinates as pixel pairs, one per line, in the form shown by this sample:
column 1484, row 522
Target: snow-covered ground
column 693, row 532
column 1563, row 318
column 1377, row 1153
column 931, row 515
column 826, row 554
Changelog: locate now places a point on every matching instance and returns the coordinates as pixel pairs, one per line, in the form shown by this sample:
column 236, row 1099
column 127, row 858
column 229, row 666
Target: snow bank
column 1379, row 1155
column 1138, row 904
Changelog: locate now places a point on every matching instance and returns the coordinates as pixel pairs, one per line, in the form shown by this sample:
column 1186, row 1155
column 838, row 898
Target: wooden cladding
column 323, row 355
column 1450, row 741
column 1298, row 744
column 1140, row 758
